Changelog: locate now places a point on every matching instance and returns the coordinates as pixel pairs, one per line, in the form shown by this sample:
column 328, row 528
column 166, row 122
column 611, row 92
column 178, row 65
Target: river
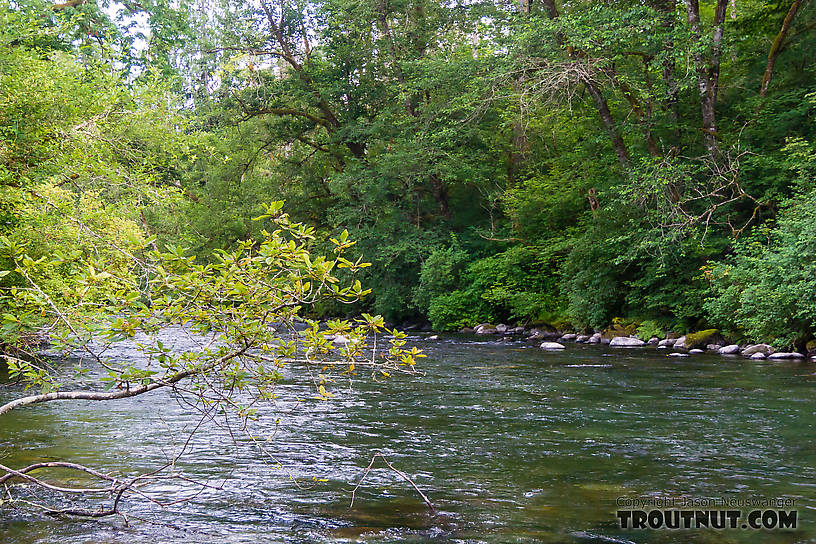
column 510, row 443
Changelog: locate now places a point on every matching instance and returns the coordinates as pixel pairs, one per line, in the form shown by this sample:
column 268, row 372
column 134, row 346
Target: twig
column 399, row 472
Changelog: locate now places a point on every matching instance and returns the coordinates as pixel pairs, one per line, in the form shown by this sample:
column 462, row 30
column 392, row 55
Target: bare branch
column 399, row 473
column 122, row 393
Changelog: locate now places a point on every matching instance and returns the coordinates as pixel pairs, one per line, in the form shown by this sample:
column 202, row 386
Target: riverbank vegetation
column 563, row 164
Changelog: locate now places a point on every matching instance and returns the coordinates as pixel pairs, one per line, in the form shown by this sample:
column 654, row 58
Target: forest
column 564, row 164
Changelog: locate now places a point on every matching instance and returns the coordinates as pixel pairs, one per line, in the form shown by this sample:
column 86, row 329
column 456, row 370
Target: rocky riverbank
column 707, row 341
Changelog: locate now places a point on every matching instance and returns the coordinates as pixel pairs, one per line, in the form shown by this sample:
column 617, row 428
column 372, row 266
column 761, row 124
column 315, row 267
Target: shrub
column 648, row 329
column 451, row 311
column 439, row 274
column 765, row 292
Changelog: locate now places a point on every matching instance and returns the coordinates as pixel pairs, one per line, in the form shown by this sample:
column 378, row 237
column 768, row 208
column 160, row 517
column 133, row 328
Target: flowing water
column 510, row 443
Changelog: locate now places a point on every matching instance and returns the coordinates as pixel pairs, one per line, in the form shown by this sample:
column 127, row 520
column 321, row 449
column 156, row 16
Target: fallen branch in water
column 399, row 472
column 116, row 489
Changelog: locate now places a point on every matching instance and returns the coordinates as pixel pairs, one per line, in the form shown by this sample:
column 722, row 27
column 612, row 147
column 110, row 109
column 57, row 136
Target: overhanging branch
column 121, row 394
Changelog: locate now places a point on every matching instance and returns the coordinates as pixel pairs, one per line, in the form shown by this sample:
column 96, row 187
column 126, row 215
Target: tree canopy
column 549, row 162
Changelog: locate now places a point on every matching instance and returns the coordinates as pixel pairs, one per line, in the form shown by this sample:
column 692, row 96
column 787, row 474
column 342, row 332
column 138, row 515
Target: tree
column 91, row 167
column 243, row 309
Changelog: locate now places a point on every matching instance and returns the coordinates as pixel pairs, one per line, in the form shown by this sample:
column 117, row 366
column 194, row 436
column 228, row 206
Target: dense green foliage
column 564, row 163
column 765, row 290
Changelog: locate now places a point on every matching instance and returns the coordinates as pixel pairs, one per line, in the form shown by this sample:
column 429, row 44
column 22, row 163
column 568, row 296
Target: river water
column 511, row 444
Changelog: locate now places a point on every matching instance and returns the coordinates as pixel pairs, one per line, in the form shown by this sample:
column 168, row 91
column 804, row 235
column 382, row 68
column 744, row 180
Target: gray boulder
column 626, row 342
column 538, row 333
column 662, row 347
column 758, row 355
column 680, row 343
column 582, row 338
column 595, row 338
column 786, row 355
column 713, row 347
column 696, row 351
column 485, row 328
column 434, row 337
column 678, row 354
column 667, row 342
column 568, row 337
column 501, row 328
column 551, row 346
column 729, row 350
column 653, row 341
column 764, row 349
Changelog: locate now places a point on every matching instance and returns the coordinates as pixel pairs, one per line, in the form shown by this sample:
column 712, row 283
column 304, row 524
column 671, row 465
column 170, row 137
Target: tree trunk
column 669, row 72
column 440, row 194
column 609, row 123
column 708, row 72
column 597, row 96
column 776, row 48
column 642, row 112
column 552, row 11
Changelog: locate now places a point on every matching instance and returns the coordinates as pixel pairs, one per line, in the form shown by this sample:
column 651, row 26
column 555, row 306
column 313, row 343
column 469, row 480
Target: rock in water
column 595, row 338
column 667, row 342
column 696, row 351
column 653, row 341
column 434, row 337
column 551, row 346
column 568, row 337
column 764, row 349
column 786, row 355
column 678, row 354
column 538, row 333
column 582, row 338
column 626, row 342
column 728, row 350
column 700, row 339
column 758, row 355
